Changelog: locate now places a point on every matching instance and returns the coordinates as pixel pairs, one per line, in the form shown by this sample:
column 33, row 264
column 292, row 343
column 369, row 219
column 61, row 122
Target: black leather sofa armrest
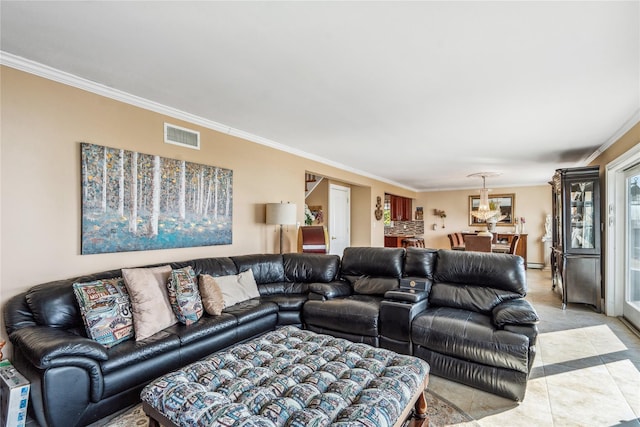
column 515, row 312
column 407, row 295
column 41, row 345
column 324, row 291
column 531, row 331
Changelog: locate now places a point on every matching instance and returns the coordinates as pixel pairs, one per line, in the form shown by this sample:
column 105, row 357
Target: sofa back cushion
column 374, row 262
column 500, row 271
column 310, row 268
column 266, row 268
column 372, row 271
column 420, row 262
column 222, row 266
column 477, row 281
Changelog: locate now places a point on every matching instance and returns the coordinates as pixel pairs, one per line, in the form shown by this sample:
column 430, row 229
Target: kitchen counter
column 395, row 240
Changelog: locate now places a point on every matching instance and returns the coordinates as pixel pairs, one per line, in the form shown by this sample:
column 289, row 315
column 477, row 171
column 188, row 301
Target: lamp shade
column 281, row 213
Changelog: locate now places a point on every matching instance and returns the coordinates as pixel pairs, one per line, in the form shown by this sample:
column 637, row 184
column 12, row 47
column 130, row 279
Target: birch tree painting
column 134, row 202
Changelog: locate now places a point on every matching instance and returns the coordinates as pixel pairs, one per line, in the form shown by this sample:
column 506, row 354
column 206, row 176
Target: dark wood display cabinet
column 576, row 246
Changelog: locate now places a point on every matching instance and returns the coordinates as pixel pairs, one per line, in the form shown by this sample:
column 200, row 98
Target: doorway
column 631, row 245
column 622, row 255
column 339, row 218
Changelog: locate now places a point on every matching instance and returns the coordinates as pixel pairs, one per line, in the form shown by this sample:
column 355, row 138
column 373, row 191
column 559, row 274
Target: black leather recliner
column 368, row 273
column 470, row 322
column 478, row 329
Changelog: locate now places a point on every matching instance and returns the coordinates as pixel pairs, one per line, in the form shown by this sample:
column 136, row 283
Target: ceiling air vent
column 181, row 136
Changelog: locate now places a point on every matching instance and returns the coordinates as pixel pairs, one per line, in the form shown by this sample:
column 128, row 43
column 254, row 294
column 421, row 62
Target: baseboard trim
column 629, row 325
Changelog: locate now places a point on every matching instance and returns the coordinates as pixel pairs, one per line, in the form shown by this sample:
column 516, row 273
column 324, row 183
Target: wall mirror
column 507, row 203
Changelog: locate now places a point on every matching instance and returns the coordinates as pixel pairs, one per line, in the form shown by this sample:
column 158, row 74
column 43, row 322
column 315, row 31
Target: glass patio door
column 631, row 307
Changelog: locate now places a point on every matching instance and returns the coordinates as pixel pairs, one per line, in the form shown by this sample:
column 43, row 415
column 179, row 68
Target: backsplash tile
column 406, row 227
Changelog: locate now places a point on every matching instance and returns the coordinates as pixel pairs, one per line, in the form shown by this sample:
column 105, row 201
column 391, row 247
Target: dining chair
column 456, row 240
column 513, row 246
column 416, row 242
column 477, row 243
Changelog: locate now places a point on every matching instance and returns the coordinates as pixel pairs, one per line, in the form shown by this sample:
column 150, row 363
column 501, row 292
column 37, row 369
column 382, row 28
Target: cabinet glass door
column 581, row 220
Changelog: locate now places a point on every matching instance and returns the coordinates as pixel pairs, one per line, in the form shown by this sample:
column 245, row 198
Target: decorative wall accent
column 135, row 202
column 378, row 212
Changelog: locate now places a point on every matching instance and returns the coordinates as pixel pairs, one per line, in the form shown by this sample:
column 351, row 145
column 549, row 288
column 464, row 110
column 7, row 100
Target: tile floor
column 586, row 372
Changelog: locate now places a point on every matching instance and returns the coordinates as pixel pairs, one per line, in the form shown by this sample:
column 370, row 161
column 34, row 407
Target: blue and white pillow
column 184, row 295
column 106, row 310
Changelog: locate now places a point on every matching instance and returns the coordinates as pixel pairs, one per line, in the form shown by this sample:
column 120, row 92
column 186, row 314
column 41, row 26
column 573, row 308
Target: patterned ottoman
column 291, row 377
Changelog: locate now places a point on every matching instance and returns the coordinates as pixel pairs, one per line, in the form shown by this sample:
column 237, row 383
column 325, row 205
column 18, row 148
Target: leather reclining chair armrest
column 514, row 312
column 406, row 295
column 531, row 331
column 41, row 345
column 325, row 291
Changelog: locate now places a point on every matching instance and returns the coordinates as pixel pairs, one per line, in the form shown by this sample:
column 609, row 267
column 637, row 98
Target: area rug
column 440, row 413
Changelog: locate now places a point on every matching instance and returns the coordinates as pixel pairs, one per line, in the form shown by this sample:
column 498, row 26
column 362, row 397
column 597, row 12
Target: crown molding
column 626, row 127
column 50, row 73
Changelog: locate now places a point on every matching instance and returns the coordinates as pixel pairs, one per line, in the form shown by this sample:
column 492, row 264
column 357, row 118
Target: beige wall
column 43, row 123
column 532, row 203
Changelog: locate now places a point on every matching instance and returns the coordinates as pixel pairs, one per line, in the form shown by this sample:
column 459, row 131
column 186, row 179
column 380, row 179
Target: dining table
column 495, row 247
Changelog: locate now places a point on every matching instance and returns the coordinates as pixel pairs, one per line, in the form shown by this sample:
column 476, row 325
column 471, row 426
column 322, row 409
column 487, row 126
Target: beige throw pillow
column 237, row 288
column 212, row 299
column 149, row 299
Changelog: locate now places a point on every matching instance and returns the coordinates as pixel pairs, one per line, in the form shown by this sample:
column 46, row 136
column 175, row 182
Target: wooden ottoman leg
column 421, row 407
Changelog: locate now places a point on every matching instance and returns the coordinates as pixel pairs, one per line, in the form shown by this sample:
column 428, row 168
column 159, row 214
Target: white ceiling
column 419, row 94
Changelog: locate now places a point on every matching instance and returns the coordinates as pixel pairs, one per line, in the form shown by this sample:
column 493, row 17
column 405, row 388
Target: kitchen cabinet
column 395, row 241
column 401, row 208
column 576, row 251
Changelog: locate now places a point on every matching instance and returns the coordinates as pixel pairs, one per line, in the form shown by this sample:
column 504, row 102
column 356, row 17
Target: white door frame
column 347, row 219
column 614, row 256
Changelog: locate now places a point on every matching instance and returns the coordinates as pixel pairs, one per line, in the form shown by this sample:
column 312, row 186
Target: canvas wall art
column 136, row 202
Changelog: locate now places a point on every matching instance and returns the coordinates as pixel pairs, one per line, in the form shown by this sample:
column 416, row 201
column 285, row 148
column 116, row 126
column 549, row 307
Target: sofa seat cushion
column 355, row 314
column 287, row 302
column 135, row 374
column 203, row 328
column 470, row 336
column 250, row 310
column 131, row 352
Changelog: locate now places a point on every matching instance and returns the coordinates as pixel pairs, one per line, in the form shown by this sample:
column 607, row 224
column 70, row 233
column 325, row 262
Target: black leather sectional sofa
column 471, row 323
